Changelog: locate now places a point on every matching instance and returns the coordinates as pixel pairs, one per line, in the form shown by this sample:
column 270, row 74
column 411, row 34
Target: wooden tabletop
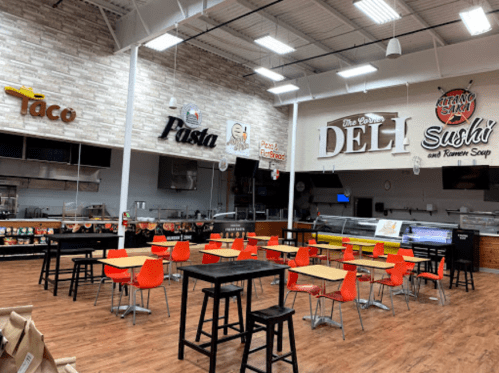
column 410, row 259
column 261, row 238
column 128, row 262
column 328, row 247
column 322, row 272
column 282, row 249
column 370, row 263
column 360, row 243
column 224, row 240
column 222, row 253
column 164, row 244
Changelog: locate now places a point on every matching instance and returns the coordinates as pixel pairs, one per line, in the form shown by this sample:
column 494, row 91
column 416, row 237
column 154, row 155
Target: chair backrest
column 349, row 288
column 181, row 251
column 238, row 244
column 252, row 249
column 441, row 269
column 271, row 254
column 313, row 251
column 302, row 257
column 292, row 276
column 215, row 236
column 348, row 255
column 251, row 241
column 394, row 258
column 312, row 242
column 151, row 274
column 407, row 252
column 251, row 234
column 397, row 274
column 112, row 254
column 244, row 255
column 379, row 249
column 345, row 240
column 273, row 242
column 155, row 248
column 210, row 259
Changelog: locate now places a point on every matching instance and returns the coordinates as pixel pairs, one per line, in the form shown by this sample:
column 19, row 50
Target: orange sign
column 39, row 107
column 271, row 151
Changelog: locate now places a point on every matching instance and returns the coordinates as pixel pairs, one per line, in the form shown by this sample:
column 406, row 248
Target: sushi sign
column 454, row 108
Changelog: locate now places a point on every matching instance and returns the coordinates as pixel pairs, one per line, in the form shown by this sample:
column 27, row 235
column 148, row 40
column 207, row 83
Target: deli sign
column 359, row 133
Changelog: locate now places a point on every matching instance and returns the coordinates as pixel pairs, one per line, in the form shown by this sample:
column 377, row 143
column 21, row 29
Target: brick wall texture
column 67, row 54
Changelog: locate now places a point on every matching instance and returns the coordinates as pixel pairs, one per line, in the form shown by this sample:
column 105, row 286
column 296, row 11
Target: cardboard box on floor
column 25, row 312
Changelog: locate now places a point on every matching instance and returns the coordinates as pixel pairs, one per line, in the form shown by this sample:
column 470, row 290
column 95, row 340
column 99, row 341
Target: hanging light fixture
column 394, row 49
column 173, row 101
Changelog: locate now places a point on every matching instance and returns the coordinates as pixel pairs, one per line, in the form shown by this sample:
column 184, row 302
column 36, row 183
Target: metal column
column 125, row 172
column 292, row 170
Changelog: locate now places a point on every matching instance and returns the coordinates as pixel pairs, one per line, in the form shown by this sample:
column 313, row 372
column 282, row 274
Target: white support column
column 292, row 170
column 125, row 172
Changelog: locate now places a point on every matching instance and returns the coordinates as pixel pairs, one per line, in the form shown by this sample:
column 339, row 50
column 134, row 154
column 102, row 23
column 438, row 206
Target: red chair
column 378, row 250
column 252, row 241
column 180, row 254
column 347, row 293
column 273, row 256
column 396, row 279
column 293, row 287
column 160, row 251
column 348, row 255
column 247, row 255
column 150, row 277
column 208, row 259
column 392, row 258
column 253, row 250
column 435, row 277
column 407, row 252
column 238, row 244
column 345, row 240
column 216, row 236
column 116, row 275
column 313, row 252
column 302, row 258
column 349, row 250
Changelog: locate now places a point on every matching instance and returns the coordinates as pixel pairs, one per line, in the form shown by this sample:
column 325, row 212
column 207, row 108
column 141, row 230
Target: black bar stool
column 269, row 318
column 83, row 251
column 466, row 266
column 75, row 277
column 226, row 292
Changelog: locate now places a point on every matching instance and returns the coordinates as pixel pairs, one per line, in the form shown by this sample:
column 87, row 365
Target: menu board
column 388, row 228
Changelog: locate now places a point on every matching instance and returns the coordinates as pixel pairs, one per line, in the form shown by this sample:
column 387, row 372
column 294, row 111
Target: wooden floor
column 463, row 336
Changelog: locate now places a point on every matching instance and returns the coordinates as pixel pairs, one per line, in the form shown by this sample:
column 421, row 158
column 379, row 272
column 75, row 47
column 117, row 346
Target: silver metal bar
column 109, row 27
column 141, row 19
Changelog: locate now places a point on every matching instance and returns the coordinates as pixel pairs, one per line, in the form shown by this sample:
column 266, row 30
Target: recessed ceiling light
column 378, row 10
column 475, row 20
column 163, row 42
column 274, row 45
column 357, row 70
column 269, row 74
column 283, row 89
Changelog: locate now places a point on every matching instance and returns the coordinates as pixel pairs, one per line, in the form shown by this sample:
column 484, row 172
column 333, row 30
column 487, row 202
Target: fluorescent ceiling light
column 274, row 45
column 163, row 42
column 379, row 11
column 283, row 89
column 269, row 74
column 357, row 70
column 475, row 20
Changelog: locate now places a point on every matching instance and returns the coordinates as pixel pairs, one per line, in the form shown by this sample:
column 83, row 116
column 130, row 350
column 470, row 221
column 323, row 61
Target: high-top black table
column 80, row 240
column 296, row 231
column 218, row 274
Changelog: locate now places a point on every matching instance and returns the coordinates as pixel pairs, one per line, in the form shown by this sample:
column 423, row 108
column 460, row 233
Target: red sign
column 456, row 107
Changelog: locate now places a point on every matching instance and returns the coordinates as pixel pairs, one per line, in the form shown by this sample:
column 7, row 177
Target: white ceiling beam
column 487, row 7
column 340, row 17
column 159, row 16
column 246, row 38
column 109, row 27
column 294, row 31
column 106, row 6
column 422, row 22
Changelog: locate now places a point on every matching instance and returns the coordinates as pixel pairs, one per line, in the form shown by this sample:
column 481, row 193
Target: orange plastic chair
column 253, row 250
column 150, row 277
column 252, row 241
column 407, row 252
column 116, row 275
column 345, row 240
column 208, row 259
column 302, row 257
column 313, row 252
column 273, row 256
column 160, row 251
column 435, row 277
column 247, row 255
column 238, row 244
column 180, row 254
column 215, row 236
column 348, row 249
column 379, row 249
column 293, row 287
column 347, row 293
column 396, row 279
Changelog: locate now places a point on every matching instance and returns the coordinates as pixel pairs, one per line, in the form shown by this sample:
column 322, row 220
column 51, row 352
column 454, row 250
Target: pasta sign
column 271, row 151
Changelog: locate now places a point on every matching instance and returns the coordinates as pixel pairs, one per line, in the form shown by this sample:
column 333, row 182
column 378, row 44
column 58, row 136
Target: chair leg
column 43, row 268
column 226, row 315
column 142, row 298
column 195, row 282
column 201, row 318
column 466, row 278
column 332, row 310
column 247, row 346
column 148, row 295
column 293, row 305
column 270, row 347
column 261, row 286
column 391, row 298
column 471, row 275
column 72, row 280
column 98, row 290
column 341, row 320
column 75, row 291
column 240, row 315
column 406, row 296
column 286, row 297
column 310, row 303
column 112, row 296
column 254, row 285
column 292, row 345
column 119, row 303
column 166, row 298
column 312, row 319
column 134, row 304
column 360, row 317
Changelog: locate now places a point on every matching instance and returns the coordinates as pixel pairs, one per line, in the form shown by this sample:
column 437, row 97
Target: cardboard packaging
column 32, row 355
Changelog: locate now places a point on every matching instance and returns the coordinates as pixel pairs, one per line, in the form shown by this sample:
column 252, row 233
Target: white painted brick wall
column 66, row 54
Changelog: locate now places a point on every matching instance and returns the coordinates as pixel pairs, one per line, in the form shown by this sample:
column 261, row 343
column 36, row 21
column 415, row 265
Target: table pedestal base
column 275, row 282
column 321, row 320
column 375, row 303
column 405, row 292
column 137, row 309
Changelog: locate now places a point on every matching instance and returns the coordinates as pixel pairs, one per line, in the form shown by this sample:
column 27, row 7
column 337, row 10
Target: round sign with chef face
column 456, row 107
column 191, row 116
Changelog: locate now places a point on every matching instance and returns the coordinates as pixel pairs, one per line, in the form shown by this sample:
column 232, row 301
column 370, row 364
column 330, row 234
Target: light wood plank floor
column 463, row 336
